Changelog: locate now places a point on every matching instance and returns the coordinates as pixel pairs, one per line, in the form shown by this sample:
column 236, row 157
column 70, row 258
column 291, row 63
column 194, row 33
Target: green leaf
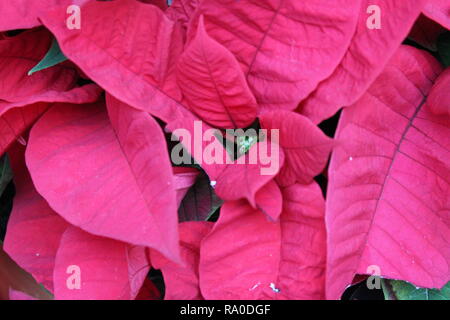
column 402, row 290
column 52, row 58
column 443, row 45
column 5, row 173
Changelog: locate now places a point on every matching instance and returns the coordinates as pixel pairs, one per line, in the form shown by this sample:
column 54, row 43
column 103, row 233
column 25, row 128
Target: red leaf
column 269, row 200
column 107, row 269
column 388, row 194
column 116, row 75
column 439, row 98
column 365, row 58
column 247, row 257
column 305, row 146
column 239, row 258
column 126, row 169
column 439, row 11
column 20, row 94
column 14, row 122
column 34, row 229
column 24, row 244
column 13, row 278
column 137, row 70
column 17, row 117
column 303, row 251
column 285, row 48
column 86, row 94
column 23, row 14
column 21, row 53
column 35, row 239
column 249, row 176
column 214, row 85
column 182, row 281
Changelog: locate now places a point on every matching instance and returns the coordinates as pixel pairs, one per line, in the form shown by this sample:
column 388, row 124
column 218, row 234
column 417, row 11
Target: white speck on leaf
column 274, row 289
column 213, row 183
column 254, row 287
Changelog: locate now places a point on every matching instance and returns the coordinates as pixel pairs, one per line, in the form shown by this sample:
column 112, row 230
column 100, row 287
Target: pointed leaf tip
column 52, row 58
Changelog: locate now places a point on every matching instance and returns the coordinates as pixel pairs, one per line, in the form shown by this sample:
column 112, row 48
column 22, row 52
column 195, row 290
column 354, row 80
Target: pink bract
column 224, row 149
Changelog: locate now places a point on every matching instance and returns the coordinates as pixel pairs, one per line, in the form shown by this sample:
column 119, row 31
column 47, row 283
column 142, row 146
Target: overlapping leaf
column 367, row 55
column 263, row 259
column 24, row 98
column 124, row 165
column 127, row 47
column 30, row 218
column 239, row 258
column 182, row 281
column 250, row 175
column 13, row 278
column 302, row 266
column 439, row 98
column 269, row 200
column 21, row 53
column 287, row 48
column 107, row 269
column 106, row 193
column 388, row 197
column 306, row 148
column 214, row 85
column 253, row 170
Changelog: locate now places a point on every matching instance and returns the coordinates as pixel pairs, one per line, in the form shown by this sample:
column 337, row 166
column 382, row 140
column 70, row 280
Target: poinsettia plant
column 224, row 149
